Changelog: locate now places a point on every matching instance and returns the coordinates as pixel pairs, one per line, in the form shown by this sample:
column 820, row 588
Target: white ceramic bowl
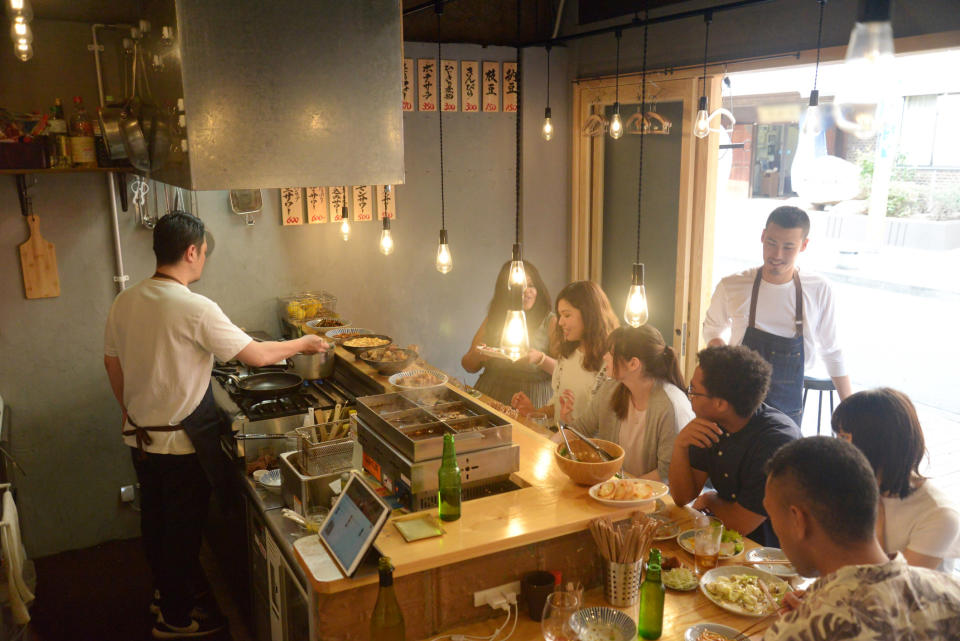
column 693, row 632
column 606, row 623
column 271, row 481
column 334, row 334
column 397, row 380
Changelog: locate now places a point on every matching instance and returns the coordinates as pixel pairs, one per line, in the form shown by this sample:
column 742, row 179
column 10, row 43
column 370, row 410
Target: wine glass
column 555, row 624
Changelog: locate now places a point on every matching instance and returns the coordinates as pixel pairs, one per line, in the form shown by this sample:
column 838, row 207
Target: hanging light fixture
column 859, row 104
column 21, row 13
column 636, row 313
column 444, row 262
column 701, row 127
column 813, row 120
column 616, row 124
column 547, row 130
column 386, row 239
column 514, row 339
column 344, row 219
column 19, row 9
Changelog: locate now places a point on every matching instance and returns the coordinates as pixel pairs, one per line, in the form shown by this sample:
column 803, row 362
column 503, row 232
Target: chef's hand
column 566, row 405
column 313, row 344
column 700, row 433
column 522, row 403
column 791, row 601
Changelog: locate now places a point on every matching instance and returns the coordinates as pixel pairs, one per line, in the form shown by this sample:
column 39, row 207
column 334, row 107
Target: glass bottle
column 651, row 600
column 81, row 136
column 386, row 623
column 449, row 477
column 57, row 126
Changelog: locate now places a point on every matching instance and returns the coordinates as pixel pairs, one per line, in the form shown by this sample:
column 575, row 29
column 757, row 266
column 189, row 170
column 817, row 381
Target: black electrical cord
column 548, row 76
column 519, row 131
column 643, row 130
column 617, row 99
column 816, row 70
column 443, row 219
column 707, row 18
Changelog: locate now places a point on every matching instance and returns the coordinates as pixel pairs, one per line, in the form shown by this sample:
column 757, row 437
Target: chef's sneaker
column 199, row 612
column 196, row 629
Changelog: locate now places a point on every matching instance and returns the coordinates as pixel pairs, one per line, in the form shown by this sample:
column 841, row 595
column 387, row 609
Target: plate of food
column 418, row 379
column 341, row 334
column 668, row 528
column 492, row 352
column 359, row 344
column 628, row 492
column 711, row 632
column 772, row 554
column 680, row 578
column 745, row 591
column 731, row 544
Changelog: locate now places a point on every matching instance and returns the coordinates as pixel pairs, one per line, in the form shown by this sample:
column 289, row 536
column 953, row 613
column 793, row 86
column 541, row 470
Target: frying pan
column 266, row 385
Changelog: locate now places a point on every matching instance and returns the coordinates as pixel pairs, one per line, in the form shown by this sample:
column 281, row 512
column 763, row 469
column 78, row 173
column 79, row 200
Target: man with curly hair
column 731, row 438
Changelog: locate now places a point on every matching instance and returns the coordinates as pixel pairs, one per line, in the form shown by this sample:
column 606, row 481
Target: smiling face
column 529, row 295
column 780, row 250
column 570, row 321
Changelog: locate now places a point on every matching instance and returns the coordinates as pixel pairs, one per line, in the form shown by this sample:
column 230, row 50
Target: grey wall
column 65, row 421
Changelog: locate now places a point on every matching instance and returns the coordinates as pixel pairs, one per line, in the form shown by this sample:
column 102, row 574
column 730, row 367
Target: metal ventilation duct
column 283, row 93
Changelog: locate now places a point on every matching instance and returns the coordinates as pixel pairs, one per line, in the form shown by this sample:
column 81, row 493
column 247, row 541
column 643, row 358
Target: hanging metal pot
column 133, row 139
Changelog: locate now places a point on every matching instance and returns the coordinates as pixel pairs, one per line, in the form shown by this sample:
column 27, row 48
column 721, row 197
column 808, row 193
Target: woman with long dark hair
column 644, row 406
column 914, row 516
column 502, row 378
column 584, row 319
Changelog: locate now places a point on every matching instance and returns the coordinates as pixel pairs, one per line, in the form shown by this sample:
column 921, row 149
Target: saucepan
column 313, row 366
column 266, row 385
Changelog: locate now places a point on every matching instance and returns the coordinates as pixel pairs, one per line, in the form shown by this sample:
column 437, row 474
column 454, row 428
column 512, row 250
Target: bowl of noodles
column 588, row 469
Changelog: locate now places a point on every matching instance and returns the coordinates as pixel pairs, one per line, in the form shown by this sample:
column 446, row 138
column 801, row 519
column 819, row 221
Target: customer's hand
column 700, row 433
column 791, row 601
column 535, row 356
column 567, row 399
column 522, row 403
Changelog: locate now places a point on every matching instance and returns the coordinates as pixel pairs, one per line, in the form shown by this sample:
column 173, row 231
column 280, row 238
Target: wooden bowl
column 589, row 473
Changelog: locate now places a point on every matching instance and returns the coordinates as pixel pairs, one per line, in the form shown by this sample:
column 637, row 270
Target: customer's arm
column 685, row 480
column 473, row 360
column 734, row 516
column 260, row 353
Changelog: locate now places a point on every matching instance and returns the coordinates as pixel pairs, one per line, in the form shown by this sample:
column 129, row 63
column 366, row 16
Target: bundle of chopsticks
column 626, row 543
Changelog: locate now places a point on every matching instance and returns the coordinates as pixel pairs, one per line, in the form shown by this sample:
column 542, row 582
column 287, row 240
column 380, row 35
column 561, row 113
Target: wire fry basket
column 319, row 456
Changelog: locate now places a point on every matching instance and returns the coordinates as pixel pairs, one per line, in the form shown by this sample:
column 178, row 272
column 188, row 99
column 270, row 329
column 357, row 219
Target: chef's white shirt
column 729, row 315
column 166, row 338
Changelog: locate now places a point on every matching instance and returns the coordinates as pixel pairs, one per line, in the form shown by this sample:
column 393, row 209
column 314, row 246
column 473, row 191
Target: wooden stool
column 819, row 385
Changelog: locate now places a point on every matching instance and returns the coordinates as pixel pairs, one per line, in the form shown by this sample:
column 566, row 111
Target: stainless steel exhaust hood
column 283, row 93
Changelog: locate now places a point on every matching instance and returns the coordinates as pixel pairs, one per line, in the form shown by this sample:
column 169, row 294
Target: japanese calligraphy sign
column 448, row 85
column 469, row 85
column 510, row 85
column 490, row 86
column 427, row 84
column 291, row 205
column 338, row 197
column 316, row 205
column 362, row 203
column 408, row 84
column 386, row 202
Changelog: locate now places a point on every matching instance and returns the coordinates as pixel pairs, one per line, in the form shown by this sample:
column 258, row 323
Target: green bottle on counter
column 651, row 600
column 449, row 498
column 386, row 624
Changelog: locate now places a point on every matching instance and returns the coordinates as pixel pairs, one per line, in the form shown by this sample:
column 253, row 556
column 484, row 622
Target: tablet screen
column 352, row 525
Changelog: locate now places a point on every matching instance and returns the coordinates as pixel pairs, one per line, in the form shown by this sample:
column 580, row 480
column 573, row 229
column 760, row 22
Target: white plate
column 659, row 489
column 397, row 379
column 771, row 554
column 492, row 352
column 730, row 570
column 685, row 540
column 693, row 632
column 315, row 324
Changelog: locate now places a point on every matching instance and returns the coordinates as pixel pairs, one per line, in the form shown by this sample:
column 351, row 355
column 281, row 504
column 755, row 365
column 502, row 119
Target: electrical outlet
column 492, row 595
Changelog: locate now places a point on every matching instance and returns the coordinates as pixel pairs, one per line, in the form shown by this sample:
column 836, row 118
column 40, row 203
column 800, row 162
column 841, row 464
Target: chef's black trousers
column 174, row 498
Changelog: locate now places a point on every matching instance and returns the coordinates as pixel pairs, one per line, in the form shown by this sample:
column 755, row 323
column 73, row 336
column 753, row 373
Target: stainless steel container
column 313, row 366
column 301, row 492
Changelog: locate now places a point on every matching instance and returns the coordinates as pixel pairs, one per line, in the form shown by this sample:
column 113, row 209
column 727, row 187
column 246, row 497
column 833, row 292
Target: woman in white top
column 915, row 518
column 643, row 407
column 584, row 320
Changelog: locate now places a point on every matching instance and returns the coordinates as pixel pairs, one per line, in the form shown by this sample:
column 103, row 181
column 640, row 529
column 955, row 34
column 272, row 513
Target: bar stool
column 819, row 385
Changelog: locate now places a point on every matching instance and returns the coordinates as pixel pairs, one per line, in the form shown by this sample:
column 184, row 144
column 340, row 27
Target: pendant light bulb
column 20, row 32
column 616, row 124
column 386, row 238
column 814, row 117
column 518, row 276
column 701, row 127
column 547, row 131
column 444, row 258
column 344, row 224
column 636, row 312
column 19, row 10
column 859, row 104
column 23, row 51
column 514, row 340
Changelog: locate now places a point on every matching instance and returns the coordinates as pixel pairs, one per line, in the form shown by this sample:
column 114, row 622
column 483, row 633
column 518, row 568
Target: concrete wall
column 64, row 419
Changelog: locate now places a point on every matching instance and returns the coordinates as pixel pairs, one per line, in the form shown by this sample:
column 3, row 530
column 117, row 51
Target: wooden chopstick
column 770, row 562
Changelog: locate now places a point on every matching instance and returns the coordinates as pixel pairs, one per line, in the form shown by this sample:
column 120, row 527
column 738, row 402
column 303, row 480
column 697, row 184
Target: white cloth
column 166, row 338
column 14, row 557
column 632, row 440
column 569, row 374
column 927, row 522
column 729, row 315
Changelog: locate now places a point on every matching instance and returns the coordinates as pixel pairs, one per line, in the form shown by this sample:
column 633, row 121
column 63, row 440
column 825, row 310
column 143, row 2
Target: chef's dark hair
column 790, row 218
column 737, row 374
column 883, row 424
column 833, row 481
column 173, row 234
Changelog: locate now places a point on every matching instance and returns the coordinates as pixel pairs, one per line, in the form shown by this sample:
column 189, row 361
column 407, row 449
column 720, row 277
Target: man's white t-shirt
column 926, row 522
column 166, row 338
column 776, row 314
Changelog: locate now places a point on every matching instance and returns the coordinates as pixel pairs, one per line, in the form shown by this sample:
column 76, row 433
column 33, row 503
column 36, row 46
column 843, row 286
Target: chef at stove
column 160, row 343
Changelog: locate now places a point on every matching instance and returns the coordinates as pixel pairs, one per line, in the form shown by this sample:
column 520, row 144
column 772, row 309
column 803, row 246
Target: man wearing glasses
column 730, row 440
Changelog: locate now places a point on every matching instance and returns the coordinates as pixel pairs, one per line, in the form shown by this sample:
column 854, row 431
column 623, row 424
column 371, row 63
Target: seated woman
column 584, row 320
column 914, row 517
column 644, row 406
column 501, row 378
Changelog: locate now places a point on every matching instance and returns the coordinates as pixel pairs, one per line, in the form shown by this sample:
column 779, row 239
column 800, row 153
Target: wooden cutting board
column 38, row 259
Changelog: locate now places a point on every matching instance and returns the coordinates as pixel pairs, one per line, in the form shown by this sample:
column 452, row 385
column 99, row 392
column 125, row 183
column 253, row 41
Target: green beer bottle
column 449, row 499
column 651, row 600
column 386, row 624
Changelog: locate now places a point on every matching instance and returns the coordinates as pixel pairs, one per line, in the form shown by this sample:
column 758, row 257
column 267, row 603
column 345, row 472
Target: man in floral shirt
column 821, row 498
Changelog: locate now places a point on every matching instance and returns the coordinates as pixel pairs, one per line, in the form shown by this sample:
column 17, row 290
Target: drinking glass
column 706, row 545
column 539, row 418
column 555, row 624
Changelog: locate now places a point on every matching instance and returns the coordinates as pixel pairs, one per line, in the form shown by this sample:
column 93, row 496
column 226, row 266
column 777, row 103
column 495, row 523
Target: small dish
column 694, row 631
column 772, row 554
column 408, row 380
column 270, row 480
column 681, row 579
column 603, row 623
column 337, row 334
column 685, row 540
column 656, row 488
column 668, row 528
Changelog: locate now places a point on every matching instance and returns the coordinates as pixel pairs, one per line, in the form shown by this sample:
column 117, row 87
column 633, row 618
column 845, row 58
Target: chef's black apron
column 785, row 355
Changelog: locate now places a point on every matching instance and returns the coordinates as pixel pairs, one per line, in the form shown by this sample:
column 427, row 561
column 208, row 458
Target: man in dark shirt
column 730, row 440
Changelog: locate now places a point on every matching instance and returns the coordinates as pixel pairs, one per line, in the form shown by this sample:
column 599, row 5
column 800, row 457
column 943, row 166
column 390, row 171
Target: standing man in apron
column 785, row 315
column 160, row 344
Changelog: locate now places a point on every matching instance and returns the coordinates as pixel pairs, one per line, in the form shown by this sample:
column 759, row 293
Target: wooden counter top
column 549, row 507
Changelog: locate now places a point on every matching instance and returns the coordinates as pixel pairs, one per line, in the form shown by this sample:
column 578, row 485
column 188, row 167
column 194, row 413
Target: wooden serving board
column 38, row 259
